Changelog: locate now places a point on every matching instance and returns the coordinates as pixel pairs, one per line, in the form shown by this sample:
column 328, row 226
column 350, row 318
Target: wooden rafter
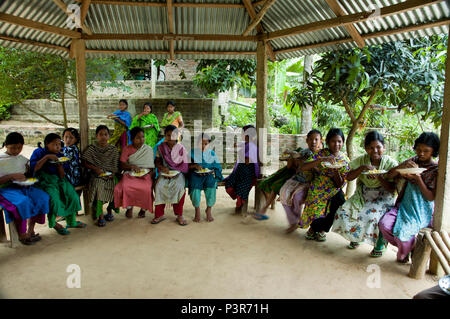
column 177, row 5
column 84, row 10
column 63, row 7
column 8, row 18
column 35, row 43
column 257, row 19
column 351, row 29
column 373, row 35
column 168, row 52
column 171, row 31
column 252, row 13
column 352, row 18
column 166, row 37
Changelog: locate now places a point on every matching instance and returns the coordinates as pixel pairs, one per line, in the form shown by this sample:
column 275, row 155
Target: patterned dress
column 72, row 168
column 357, row 220
column 321, row 188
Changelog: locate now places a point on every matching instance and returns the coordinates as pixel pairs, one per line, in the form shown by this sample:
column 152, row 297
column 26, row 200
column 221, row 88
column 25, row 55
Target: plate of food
column 142, row 172
column 170, row 174
column 27, row 182
column 105, row 174
column 338, row 164
column 375, row 172
column 411, row 170
column 444, row 283
column 148, row 126
column 62, row 159
column 203, row 171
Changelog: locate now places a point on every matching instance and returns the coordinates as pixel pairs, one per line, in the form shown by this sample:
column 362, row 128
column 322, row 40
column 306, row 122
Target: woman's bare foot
column 291, row 228
column 209, row 217
column 181, row 221
column 197, row 215
column 129, row 213
column 141, row 214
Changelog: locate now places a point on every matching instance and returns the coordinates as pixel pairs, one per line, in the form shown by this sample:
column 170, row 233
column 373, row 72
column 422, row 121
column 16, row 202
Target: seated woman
column 246, row 170
column 136, row 190
column 414, row 207
column 149, row 123
column 170, row 156
column 64, row 200
column 21, row 204
column 357, row 220
column 293, row 192
column 102, row 159
column 325, row 191
column 204, row 158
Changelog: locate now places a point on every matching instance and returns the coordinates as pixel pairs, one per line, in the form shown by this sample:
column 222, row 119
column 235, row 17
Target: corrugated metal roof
column 284, row 14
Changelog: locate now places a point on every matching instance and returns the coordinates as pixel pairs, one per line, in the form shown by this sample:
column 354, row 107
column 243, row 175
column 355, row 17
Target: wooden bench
column 13, row 234
column 429, row 241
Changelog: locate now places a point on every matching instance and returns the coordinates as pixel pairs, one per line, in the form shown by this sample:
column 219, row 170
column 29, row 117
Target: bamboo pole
column 438, row 253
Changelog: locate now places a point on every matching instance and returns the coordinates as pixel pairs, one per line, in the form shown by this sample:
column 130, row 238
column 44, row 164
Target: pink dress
column 133, row 191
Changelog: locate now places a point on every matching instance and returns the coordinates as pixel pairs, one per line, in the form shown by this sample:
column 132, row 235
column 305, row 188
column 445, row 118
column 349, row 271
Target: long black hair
column 48, row 139
column 373, row 136
column 335, row 132
column 101, row 128
column 135, row 131
column 429, row 139
column 13, row 138
column 74, row 132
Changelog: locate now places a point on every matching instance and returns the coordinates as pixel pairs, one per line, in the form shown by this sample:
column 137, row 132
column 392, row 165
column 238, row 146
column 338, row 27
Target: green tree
column 33, row 75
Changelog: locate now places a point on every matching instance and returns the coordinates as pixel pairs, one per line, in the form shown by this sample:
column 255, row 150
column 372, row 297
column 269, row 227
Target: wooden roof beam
column 171, row 31
column 84, row 10
column 252, row 13
column 168, row 52
column 257, row 19
column 35, row 43
column 164, row 4
column 165, row 37
column 8, row 18
column 352, row 18
column 351, row 29
column 63, row 7
column 379, row 34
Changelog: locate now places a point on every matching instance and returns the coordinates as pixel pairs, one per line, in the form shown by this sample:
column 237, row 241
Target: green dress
column 274, row 182
column 151, row 133
column 170, row 120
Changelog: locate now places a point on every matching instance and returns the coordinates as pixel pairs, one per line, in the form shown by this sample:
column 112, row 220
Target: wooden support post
column 441, row 218
column 3, row 237
column 153, row 78
column 262, row 116
column 79, row 48
column 420, row 258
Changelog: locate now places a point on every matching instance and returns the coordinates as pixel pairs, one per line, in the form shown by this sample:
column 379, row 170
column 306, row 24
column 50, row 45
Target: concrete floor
column 228, row 258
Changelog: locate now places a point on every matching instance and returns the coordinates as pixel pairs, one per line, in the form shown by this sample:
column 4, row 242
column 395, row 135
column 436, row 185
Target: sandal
column 35, row 237
column 27, row 241
column 79, row 225
column 404, row 260
column 101, row 222
column 260, row 216
column 109, row 217
column 183, row 223
column 377, row 253
column 141, row 214
column 321, row 236
column 157, row 220
column 353, row 245
column 62, row 231
column 311, row 234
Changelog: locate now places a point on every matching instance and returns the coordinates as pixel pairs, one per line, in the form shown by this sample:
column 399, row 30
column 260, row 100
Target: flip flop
column 62, row 231
column 158, row 221
column 109, row 217
column 179, row 223
column 101, row 222
column 79, row 225
column 260, row 216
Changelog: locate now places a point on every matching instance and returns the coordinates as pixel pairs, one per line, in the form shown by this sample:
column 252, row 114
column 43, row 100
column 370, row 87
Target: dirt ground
column 228, row 258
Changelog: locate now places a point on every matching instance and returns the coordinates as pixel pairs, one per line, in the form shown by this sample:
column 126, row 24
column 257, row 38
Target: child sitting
column 70, row 150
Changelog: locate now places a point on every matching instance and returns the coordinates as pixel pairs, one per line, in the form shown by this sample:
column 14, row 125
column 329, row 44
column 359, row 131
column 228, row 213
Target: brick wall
column 172, row 72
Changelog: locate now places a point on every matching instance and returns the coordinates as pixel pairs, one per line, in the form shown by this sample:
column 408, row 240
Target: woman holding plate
column 415, row 203
column 206, row 172
column 148, row 121
column 357, row 220
column 135, row 187
column 172, row 163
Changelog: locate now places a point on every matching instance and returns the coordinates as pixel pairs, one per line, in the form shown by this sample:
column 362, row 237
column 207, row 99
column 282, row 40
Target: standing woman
column 246, row 170
column 415, row 203
column 122, row 122
column 102, row 159
column 325, row 190
column 171, row 156
column 135, row 190
column 149, row 123
column 357, row 220
column 172, row 117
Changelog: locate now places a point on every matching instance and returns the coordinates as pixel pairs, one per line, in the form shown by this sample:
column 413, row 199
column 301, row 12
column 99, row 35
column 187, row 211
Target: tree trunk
column 43, row 116
column 351, row 185
column 306, row 120
column 63, row 105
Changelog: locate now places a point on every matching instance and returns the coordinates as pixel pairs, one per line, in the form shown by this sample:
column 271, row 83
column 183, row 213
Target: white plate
column 337, row 165
column 411, row 170
column 444, row 283
column 28, row 182
column 170, row 174
column 142, row 172
column 378, row 172
column 61, row 160
column 147, row 126
column 105, row 174
column 205, row 172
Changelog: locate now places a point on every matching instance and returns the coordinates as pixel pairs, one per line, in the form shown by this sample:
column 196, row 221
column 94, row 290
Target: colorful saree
column 151, row 133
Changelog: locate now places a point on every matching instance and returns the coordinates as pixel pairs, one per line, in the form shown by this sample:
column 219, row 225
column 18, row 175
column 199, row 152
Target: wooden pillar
column 79, row 50
column 154, row 74
column 441, row 218
column 262, row 115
